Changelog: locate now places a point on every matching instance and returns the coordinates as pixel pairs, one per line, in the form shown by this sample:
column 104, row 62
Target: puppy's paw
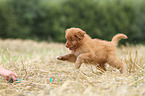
column 60, row 58
column 77, row 66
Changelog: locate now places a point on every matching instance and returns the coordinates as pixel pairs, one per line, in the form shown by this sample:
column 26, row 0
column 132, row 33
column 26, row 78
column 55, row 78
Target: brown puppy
column 98, row 52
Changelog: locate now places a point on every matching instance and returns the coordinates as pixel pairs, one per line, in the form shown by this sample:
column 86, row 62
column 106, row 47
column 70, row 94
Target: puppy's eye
column 76, row 36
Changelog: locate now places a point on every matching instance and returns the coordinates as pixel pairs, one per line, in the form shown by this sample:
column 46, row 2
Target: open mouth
column 72, row 48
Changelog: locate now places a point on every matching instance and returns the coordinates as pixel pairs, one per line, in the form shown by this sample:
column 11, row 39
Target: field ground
column 36, row 63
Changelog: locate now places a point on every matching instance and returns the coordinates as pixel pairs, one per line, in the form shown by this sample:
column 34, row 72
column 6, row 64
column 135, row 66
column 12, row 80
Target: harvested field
column 44, row 75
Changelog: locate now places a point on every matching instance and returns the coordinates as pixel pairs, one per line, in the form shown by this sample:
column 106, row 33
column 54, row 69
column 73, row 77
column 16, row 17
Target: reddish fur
column 84, row 49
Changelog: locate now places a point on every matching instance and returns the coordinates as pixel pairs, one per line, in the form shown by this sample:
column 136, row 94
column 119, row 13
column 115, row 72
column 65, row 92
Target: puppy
column 98, row 52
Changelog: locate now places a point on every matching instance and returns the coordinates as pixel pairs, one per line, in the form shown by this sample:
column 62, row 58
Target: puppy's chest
column 78, row 52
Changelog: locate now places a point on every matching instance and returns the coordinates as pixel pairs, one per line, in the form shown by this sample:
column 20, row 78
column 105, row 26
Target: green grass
column 36, row 63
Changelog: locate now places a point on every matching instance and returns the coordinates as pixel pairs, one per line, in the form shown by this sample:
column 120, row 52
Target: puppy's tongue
column 70, row 48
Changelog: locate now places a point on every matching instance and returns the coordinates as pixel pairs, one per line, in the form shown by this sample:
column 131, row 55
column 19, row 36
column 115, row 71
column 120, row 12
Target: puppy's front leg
column 82, row 58
column 68, row 57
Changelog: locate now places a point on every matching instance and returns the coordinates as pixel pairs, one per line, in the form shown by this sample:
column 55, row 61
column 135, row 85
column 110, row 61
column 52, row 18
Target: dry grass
column 36, row 63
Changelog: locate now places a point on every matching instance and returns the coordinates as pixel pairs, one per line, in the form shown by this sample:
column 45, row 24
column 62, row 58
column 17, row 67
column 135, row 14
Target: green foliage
column 48, row 19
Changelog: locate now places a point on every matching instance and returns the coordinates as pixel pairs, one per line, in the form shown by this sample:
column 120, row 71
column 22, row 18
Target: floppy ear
column 80, row 34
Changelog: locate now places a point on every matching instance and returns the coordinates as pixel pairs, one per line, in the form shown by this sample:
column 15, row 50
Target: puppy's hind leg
column 115, row 62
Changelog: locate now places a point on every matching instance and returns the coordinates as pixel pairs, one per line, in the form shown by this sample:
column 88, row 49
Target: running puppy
column 98, row 52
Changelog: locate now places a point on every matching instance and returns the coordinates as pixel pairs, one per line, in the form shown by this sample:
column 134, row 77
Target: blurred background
column 46, row 20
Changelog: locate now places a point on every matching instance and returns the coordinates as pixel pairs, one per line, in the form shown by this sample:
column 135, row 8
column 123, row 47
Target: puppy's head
column 74, row 38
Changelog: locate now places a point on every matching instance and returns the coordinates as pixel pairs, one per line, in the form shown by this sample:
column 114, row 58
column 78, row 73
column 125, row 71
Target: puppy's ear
column 80, row 34
column 66, row 30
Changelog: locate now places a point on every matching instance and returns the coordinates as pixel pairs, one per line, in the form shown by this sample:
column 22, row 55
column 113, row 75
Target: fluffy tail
column 117, row 37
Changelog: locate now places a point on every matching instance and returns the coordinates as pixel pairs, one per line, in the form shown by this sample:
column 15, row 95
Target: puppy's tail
column 118, row 37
